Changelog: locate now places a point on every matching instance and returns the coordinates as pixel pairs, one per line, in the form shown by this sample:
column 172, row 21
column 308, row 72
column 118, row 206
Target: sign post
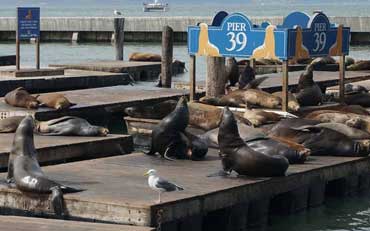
column 28, row 26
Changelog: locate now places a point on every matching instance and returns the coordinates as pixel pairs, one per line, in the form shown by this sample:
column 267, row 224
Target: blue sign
column 236, row 37
column 28, row 21
column 300, row 36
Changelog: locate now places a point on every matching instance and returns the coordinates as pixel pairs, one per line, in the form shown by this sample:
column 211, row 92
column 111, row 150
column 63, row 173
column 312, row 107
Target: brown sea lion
column 144, row 57
column 351, row 132
column 21, row 98
column 10, row 124
column 236, row 155
column 258, row 117
column 204, row 116
column 24, row 171
column 349, row 61
column 261, row 98
column 361, row 65
column 232, row 71
column 292, row 101
column 349, row 119
column 308, row 92
column 54, row 100
column 156, row 111
column 262, row 61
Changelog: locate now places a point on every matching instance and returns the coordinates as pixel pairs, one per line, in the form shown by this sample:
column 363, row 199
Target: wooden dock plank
column 71, row 80
column 15, row 223
column 117, row 191
column 55, row 149
column 272, row 84
column 100, row 101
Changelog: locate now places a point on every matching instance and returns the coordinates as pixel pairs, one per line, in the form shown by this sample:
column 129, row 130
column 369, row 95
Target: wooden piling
column 192, row 76
column 216, row 78
column 238, row 217
column 258, row 213
column 342, row 72
column 167, row 56
column 38, row 53
column 119, row 24
column 284, row 95
column 290, row 202
column 316, row 194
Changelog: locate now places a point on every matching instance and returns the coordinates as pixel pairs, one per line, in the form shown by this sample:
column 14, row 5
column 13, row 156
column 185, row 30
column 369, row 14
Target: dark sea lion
column 156, row 111
column 21, row 98
column 232, row 71
column 10, row 124
column 321, row 62
column 321, row 140
column 144, row 57
column 362, row 99
column 198, row 146
column 168, row 137
column 70, row 126
column 354, row 88
column 349, row 61
column 308, row 92
column 24, row 171
column 293, row 104
column 248, row 75
column 237, row 156
column 351, row 132
column 54, row 100
column 361, row 65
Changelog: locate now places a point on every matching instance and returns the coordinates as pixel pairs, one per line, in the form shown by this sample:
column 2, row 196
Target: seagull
column 116, row 12
column 159, row 184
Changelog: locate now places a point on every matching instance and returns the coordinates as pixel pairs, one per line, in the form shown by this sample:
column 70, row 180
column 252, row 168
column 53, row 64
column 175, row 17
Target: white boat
column 155, row 6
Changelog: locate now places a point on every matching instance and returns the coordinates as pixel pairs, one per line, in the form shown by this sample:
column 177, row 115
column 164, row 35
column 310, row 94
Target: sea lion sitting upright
column 156, row 111
column 10, row 124
column 24, row 171
column 54, row 100
column 21, row 98
column 168, row 137
column 70, row 126
column 232, row 71
column 237, row 156
column 248, row 75
column 309, row 93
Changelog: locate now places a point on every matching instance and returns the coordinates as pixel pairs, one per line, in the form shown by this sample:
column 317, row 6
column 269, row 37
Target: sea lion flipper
column 57, row 201
column 255, row 83
column 167, row 152
column 219, row 173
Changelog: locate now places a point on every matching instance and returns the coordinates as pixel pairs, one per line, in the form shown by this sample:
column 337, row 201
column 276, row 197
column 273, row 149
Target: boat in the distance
column 155, row 6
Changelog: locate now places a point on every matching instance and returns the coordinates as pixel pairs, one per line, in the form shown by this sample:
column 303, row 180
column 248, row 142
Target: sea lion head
column 32, row 104
column 23, row 143
column 355, row 122
column 363, row 147
column 199, row 149
column 273, row 102
column 102, row 131
column 294, row 105
column 62, row 103
column 303, row 154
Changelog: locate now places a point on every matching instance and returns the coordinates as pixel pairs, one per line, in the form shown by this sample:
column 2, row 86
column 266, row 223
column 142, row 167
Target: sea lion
column 258, row 117
column 21, row 98
column 267, row 49
column 248, row 75
column 144, row 57
column 321, row 140
column 351, row 132
column 198, row 146
column 10, row 124
column 362, row 99
column 70, row 126
column 267, row 61
column 24, row 171
column 205, row 47
column 232, row 71
column 349, row 61
column 204, row 116
column 362, row 65
column 168, row 137
column 236, row 155
column 308, row 92
column 262, row 98
column 350, row 88
column 321, row 62
column 54, row 100
column 292, row 101
column 156, row 111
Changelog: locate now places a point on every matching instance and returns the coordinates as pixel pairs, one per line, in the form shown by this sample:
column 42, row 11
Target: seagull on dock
column 116, row 12
column 159, row 184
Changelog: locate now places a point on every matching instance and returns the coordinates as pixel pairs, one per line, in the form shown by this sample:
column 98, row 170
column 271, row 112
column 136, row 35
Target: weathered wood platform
column 71, row 80
column 140, row 71
column 100, row 101
column 13, row 223
column 30, row 72
column 57, row 149
column 117, row 191
column 274, row 83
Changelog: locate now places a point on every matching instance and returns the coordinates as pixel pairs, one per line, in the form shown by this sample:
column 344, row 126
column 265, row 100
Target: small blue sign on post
column 28, row 22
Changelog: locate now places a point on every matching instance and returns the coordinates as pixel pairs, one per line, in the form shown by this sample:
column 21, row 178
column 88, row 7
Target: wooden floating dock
column 71, row 80
column 58, row 149
column 13, row 223
column 117, row 191
column 99, row 101
column 140, row 71
column 272, row 84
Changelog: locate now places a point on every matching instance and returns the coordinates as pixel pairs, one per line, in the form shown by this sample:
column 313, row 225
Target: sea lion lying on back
column 10, row 124
column 70, row 126
column 156, row 111
column 54, row 100
column 24, row 171
column 236, row 155
column 21, row 98
column 144, row 57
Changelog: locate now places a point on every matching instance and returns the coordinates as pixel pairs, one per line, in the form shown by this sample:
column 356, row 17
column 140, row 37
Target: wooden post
column 17, row 54
column 284, row 94
column 167, row 56
column 342, row 72
column 253, row 64
column 192, row 69
column 216, row 78
column 38, row 53
column 119, row 24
